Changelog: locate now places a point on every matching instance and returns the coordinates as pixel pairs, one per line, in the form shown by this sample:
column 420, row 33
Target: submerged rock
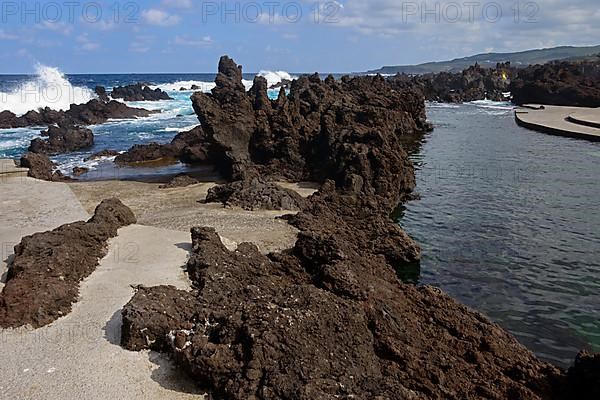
column 43, row 278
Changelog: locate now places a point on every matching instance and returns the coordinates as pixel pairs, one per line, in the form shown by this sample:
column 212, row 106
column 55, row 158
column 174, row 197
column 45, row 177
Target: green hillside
column 519, row 59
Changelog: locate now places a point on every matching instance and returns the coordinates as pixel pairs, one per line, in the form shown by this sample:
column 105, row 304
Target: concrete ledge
column 8, row 169
column 589, row 118
column 554, row 120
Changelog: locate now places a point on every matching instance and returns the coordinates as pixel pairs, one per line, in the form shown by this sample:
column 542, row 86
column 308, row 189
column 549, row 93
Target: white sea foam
column 275, row 77
column 182, row 129
column 50, row 88
column 176, row 86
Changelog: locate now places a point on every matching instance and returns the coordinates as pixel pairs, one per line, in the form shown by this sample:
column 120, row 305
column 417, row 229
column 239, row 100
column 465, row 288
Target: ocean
column 50, row 87
column 507, row 217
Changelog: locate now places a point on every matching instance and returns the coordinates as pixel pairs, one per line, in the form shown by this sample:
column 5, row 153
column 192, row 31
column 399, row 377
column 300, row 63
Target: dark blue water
column 175, row 116
column 509, row 221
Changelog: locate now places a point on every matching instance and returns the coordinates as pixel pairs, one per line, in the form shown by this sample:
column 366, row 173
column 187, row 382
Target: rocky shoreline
column 562, row 83
column 329, row 317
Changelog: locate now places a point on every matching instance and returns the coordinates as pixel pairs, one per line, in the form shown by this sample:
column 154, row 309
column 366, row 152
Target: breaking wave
column 50, row 88
column 275, row 77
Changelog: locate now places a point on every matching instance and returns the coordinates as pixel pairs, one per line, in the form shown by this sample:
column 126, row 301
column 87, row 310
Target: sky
column 160, row 36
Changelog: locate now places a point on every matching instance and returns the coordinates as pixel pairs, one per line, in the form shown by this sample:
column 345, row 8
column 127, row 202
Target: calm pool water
column 509, row 221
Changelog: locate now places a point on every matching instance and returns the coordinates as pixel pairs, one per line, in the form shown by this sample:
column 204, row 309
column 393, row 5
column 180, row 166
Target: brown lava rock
column 575, row 84
column 329, row 318
column 256, row 194
column 43, row 278
column 181, row 180
column 62, row 139
column 41, row 167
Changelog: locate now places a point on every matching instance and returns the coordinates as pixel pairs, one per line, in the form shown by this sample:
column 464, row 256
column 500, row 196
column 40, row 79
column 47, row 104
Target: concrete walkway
column 575, row 122
column 78, row 356
column 8, row 169
column 28, row 206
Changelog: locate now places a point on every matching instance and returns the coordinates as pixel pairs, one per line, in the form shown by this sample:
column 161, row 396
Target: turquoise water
column 509, row 221
column 175, row 116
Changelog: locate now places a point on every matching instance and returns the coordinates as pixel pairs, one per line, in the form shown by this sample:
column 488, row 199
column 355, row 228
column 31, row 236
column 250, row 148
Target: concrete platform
column 577, row 122
column 586, row 117
column 8, row 168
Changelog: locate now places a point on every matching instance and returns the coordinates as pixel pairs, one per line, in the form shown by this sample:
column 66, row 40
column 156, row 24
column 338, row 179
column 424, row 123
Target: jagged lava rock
column 43, row 278
column 138, row 92
column 575, row 84
column 256, row 194
column 41, row 167
column 181, row 180
column 62, row 139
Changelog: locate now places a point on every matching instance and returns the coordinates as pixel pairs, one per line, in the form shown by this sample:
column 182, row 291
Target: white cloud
column 102, row 25
column 60, row 27
column 186, row 41
column 158, row 17
column 437, row 27
column 141, row 43
column 7, row 36
column 177, row 3
column 86, row 44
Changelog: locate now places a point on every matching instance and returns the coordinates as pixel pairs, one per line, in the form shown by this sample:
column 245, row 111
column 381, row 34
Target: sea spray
column 275, row 77
column 50, row 88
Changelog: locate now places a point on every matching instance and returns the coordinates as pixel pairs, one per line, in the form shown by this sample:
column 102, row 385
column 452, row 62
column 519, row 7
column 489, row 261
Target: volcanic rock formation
column 575, row 84
column 474, row 83
column 62, row 139
column 41, row 167
column 329, row 318
column 43, row 278
column 138, row 92
column 91, row 113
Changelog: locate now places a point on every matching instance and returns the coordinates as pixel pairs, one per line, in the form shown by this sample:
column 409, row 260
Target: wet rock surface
column 102, row 154
column 575, row 84
column 62, row 139
column 187, row 147
column 144, row 153
column 138, row 92
column 584, row 377
column 91, row 113
column 43, row 278
column 41, row 167
column 101, row 93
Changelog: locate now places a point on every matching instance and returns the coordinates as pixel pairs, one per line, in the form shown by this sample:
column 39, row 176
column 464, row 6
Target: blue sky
column 328, row 36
